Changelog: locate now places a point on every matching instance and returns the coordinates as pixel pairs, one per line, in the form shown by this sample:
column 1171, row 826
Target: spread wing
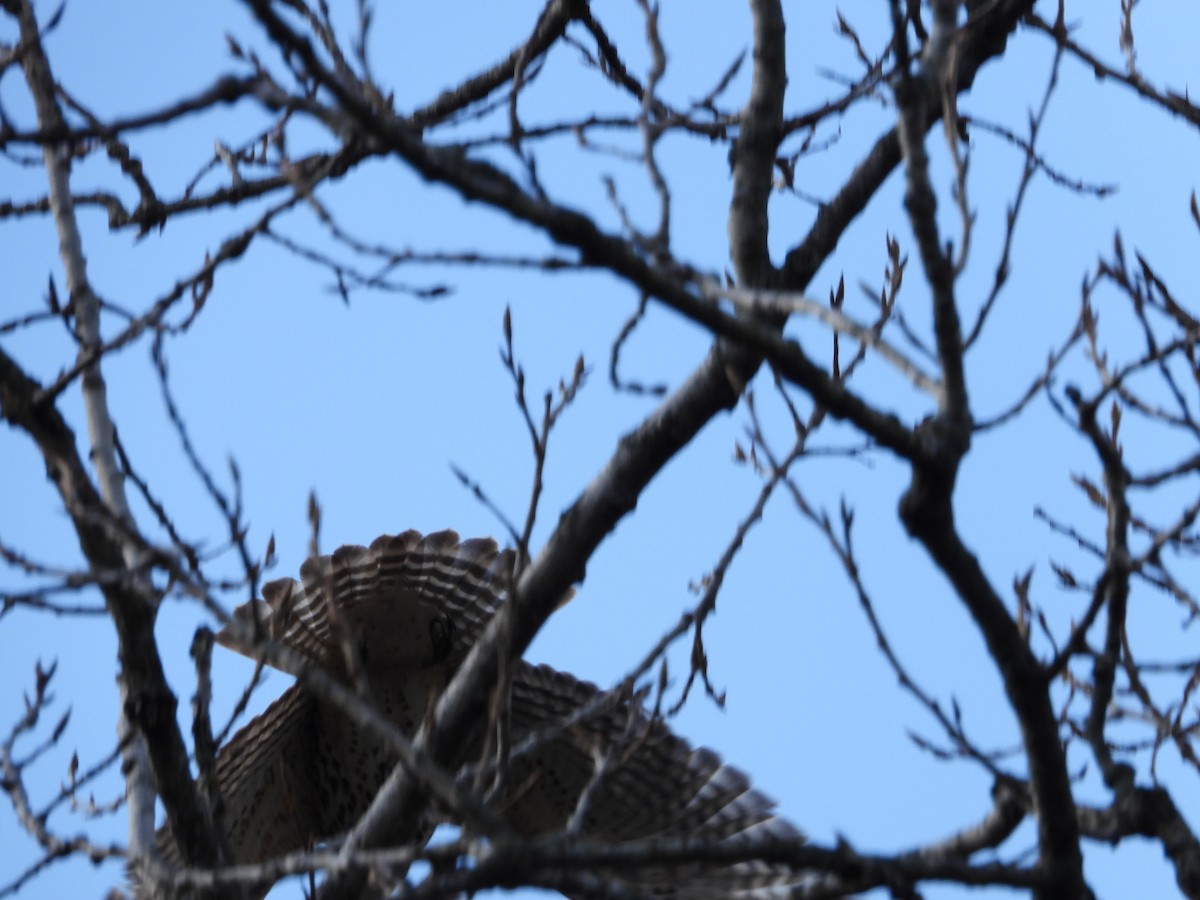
column 267, row 786
column 651, row 783
column 267, row 783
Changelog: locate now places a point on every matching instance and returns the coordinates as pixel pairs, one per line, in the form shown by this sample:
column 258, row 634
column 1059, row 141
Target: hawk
column 410, row 607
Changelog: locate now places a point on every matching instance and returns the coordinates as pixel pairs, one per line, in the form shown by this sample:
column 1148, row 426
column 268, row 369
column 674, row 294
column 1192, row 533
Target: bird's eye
column 441, row 633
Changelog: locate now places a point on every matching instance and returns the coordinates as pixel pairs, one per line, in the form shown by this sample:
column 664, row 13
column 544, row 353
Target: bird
column 405, row 611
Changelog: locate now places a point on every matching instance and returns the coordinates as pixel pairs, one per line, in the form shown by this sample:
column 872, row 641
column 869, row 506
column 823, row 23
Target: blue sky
column 370, row 405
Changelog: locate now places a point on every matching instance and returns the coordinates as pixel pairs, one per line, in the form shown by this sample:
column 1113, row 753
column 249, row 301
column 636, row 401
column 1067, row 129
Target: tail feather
column 408, row 601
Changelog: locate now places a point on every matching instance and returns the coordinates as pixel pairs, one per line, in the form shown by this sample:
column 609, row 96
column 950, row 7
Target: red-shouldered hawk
column 412, row 607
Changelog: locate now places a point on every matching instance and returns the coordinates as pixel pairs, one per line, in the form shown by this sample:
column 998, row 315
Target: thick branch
column 148, row 707
column 927, row 506
column 149, row 701
column 753, row 155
